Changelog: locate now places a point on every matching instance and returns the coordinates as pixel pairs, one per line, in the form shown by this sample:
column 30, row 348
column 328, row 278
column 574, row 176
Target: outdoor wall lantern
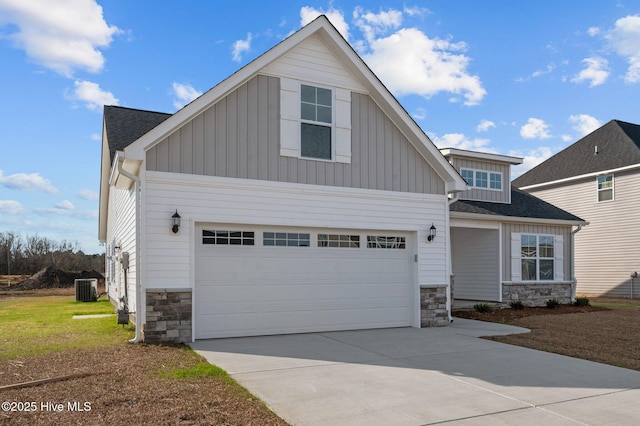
column 432, row 233
column 175, row 222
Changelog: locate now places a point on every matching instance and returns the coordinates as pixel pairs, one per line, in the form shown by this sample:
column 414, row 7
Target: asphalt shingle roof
column 523, row 205
column 125, row 125
column 618, row 145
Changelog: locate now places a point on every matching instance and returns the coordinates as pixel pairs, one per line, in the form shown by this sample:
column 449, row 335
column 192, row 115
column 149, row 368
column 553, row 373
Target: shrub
column 517, row 305
column 553, row 303
column 483, row 307
column 581, row 301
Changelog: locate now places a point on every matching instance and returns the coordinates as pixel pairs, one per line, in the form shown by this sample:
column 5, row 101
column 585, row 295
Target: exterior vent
column 86, row 290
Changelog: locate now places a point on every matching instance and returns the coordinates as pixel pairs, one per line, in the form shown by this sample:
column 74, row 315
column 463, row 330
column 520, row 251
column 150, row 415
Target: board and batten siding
column 607, row 250
column 476, row 263
column 509, row 228
column 238, row 137
column 476, row 194
column 121, row 232
column 204, row 199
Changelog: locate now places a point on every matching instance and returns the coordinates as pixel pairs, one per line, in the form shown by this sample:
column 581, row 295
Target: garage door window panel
column 224, row 237
column 285, row 239
column 386, row 242
column 338, row 240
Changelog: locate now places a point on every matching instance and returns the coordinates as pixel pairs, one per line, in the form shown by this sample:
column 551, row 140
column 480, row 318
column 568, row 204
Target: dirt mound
column 56, row 278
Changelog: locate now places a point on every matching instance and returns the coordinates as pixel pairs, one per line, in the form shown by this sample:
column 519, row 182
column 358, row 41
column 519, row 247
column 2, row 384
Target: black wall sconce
column 175, row 222
column 432, row 233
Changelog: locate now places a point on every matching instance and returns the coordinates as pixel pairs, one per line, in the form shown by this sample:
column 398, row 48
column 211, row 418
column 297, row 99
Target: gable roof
column 618, row 145
column 123, row 126
column 523, row 206
column 350, row 60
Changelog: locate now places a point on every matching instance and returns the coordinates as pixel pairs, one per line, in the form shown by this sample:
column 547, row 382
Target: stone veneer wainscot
column 433, row 306
column 536, row 294
column 168, row 316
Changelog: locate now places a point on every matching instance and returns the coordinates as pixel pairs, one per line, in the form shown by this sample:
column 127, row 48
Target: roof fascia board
column 579, row 177
column 498, row 158
column 512, row 219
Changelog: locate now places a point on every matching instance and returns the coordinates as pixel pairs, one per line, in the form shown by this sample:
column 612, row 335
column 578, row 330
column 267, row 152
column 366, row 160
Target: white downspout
column 574, row 281
column 136, row 181
column 453, row 199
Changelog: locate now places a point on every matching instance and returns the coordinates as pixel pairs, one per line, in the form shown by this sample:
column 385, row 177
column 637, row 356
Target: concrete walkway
column 407, row 376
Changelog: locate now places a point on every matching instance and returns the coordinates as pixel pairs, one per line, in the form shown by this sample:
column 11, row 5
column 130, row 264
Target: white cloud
column 91, row 94
column 535, row 129
column 406, row 60
column 593, row 31
column 416, row 11
column 65, row 205
column 184, row 93
column 485, row 125
column 374, row 24
column 460, row 141
column 530, row 159
column 96, row 137
column 624, row 38
column 240, row 47
column 87, row 194
column 409, row 62
column 27, row 182
column 596, row 73
column 66, row 212
column 584, row 123
column 11, row 208
column 335, row 16
column 62, row 35
column 420, row 114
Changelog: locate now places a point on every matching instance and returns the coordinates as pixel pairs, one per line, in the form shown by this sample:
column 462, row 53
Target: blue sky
column 516, row 78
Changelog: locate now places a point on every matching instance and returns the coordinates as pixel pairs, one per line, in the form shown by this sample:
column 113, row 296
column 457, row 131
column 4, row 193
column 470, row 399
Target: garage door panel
column 255, row 290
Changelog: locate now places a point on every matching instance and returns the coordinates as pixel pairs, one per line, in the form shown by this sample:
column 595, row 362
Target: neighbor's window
column 386, row 242
column 317, row 122
column 231, row 238
column 605, row 188
column 482, row 179
column 537, row 253
column 335, row 240
column 285, row 239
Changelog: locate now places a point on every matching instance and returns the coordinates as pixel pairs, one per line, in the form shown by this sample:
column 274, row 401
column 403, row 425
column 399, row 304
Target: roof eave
column 515, row 219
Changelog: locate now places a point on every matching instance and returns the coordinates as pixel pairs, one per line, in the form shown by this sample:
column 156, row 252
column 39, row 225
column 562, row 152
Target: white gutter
column 574, row 281
column 136, row 180
column 501, row 218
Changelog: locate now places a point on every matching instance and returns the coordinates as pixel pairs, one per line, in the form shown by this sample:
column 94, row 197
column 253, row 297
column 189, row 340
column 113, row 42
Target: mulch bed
column 507, row 315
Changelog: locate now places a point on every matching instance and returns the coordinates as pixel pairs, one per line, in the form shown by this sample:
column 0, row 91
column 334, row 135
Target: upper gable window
column 316, row 114
column 605, row 188
column 482, row 179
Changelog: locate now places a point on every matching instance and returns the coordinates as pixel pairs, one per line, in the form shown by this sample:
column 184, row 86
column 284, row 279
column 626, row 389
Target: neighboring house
column 597, row 178
column 307, row 197
column 507, row 245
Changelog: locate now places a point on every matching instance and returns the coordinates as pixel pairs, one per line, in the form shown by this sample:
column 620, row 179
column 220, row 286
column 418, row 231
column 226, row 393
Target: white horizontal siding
column 203, row 199
column 121, row 231
column 607, row 250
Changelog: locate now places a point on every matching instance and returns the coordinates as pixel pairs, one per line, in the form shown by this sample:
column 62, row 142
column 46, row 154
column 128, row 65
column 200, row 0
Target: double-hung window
column 316, row 128
column 605, row 188
column 537, row 257
column 482, row 179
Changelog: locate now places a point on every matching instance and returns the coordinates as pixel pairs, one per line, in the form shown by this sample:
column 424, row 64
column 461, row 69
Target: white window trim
column 516, row 258
column 489, row 173
column 290, row 121
column 613, row 190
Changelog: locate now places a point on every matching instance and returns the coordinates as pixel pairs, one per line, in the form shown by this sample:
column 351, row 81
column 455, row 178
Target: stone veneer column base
column 536, row 294
column 433, row 306
column 168, row 316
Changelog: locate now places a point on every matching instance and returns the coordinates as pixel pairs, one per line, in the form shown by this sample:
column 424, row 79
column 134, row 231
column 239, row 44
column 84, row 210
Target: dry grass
column 127, row 384
column 607, row 332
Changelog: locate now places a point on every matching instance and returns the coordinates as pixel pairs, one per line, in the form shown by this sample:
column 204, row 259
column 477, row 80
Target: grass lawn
column 39, row 325
column 120, row 383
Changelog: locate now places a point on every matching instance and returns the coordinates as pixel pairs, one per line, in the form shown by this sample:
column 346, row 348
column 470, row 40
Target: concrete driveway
column 408, row 376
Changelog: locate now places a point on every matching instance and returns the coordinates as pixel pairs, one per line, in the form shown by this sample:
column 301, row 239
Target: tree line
column 27, row 255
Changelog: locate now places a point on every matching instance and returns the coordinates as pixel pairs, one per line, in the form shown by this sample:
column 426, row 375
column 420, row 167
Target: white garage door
column 259, row 281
